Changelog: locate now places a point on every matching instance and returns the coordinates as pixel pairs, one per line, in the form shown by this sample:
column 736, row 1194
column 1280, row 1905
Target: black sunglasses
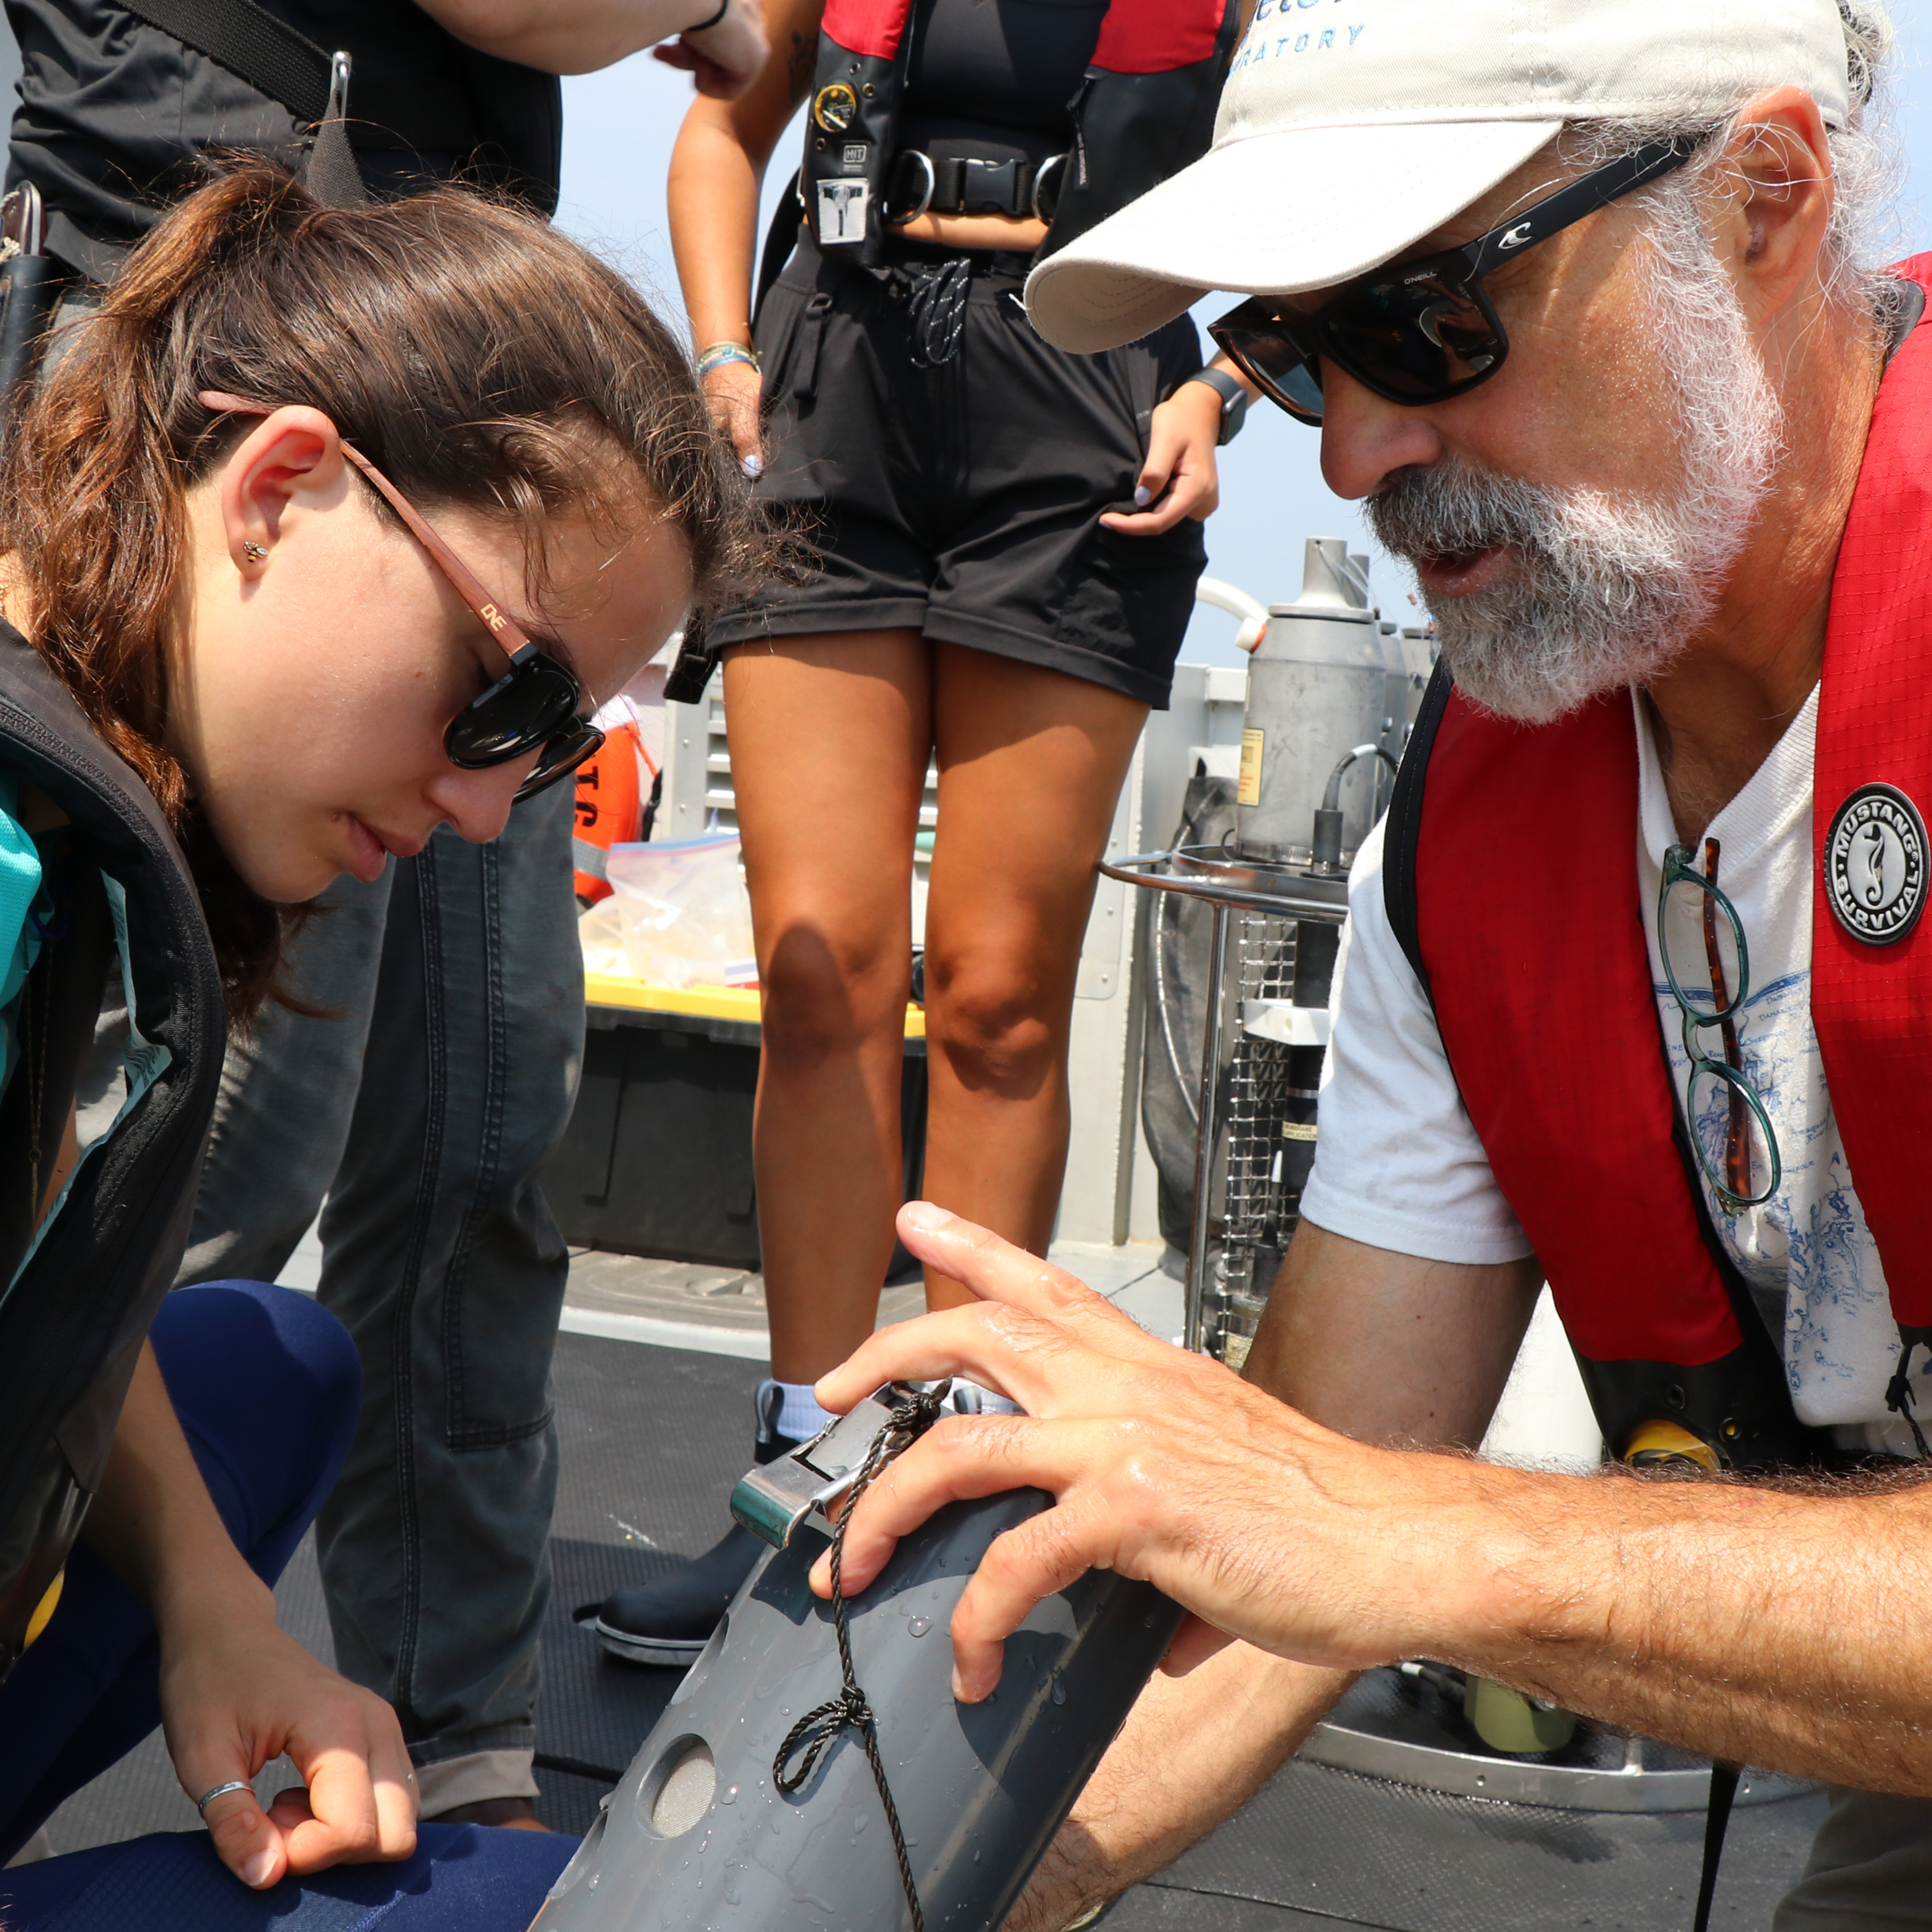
column 1418, row 331
column 535, row 706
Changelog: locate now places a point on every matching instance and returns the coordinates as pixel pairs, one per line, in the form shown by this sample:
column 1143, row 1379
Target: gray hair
column 1865, row 173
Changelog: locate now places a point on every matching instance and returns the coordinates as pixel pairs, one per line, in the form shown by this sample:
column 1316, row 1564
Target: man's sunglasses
column 535, row 706
column 1419, row 331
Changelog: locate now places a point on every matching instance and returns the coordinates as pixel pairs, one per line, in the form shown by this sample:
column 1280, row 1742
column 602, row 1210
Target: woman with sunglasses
column 1008, row 539
column 333, row 526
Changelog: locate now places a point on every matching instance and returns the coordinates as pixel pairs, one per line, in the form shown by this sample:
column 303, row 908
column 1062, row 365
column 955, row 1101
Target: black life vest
column 80, row 1293
column 1145, row 111
column 1509, row 884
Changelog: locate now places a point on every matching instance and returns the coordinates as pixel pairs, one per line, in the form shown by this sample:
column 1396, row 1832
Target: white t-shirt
column 1398, row 1165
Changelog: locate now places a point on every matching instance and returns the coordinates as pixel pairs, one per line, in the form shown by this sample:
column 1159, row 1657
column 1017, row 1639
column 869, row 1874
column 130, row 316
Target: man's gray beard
column 1604, row 590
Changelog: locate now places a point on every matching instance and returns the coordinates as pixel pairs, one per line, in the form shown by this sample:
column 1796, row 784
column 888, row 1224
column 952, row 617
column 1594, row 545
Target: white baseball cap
column 1349, row 129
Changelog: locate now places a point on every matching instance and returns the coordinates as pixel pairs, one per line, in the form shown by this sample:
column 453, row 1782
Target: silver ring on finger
column 207, row 1798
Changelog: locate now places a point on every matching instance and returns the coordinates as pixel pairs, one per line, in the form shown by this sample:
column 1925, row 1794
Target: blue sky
column 619, row 126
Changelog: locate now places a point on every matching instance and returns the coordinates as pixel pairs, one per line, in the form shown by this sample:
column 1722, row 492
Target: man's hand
column 236, row 1692
column 726, row 59
column 1180, row 477
column 1165, row 1466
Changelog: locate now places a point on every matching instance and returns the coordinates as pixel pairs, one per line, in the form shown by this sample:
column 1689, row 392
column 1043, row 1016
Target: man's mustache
column 1451, row 512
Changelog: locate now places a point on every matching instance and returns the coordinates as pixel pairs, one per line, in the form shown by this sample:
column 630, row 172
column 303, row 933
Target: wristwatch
column 1234, row 402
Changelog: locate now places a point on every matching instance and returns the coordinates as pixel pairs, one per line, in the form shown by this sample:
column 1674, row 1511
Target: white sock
column 801, row 1418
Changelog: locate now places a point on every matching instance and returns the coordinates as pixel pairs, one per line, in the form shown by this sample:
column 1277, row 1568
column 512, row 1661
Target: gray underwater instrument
column 702, row 1833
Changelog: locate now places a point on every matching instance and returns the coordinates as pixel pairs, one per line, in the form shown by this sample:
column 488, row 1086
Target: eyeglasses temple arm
column 1596, row 190
column 510, row 636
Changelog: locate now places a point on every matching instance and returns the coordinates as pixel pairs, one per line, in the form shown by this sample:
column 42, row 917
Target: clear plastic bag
column 678, row 916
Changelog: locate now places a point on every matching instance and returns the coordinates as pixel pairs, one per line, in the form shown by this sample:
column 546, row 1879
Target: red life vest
column 612, row 801
column 1510, row 881
column 1145, row 110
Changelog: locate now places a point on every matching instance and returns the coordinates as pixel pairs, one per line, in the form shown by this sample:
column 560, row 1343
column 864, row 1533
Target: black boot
column 670, row 1621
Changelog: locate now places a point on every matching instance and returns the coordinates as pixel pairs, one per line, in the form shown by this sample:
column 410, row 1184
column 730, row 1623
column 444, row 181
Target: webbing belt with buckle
column 965, row 184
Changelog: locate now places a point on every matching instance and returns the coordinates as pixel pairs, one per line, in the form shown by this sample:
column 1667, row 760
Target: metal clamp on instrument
column 773, row 1499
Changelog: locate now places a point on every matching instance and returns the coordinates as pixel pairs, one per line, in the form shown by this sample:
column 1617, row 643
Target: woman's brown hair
column 477, row 356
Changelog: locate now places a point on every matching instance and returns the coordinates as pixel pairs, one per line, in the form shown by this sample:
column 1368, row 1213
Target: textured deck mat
column 1340, row 1847
column 653, row 1440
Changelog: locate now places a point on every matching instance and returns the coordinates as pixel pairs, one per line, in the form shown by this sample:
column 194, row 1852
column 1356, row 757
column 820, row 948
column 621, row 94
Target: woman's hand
column 733, row 390
column 236, row 1692
column 727, row 58
column 1165, row 1466
column 1180, row 477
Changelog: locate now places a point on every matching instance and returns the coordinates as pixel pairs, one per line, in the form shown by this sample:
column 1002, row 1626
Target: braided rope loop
column 912, row 1414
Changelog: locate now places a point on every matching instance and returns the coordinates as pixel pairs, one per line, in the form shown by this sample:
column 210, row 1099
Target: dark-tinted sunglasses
column 1418, row 331
column 534, row 707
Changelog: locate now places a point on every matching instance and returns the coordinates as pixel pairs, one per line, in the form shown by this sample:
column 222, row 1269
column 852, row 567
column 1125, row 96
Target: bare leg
column 1030, row 764
column 830, row 736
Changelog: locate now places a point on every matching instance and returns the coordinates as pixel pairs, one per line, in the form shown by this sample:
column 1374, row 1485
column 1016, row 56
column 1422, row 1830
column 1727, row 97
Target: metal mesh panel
column 1262, row 1201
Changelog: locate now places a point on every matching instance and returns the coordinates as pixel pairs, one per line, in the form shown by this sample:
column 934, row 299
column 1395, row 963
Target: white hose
column 1238, row 603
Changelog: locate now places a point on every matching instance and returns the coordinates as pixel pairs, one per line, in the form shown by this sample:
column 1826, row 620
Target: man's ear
column 293, row 450
column 1779, row 165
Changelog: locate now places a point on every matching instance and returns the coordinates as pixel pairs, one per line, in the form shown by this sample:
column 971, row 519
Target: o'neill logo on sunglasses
column 491, row 616
column 1517, row 237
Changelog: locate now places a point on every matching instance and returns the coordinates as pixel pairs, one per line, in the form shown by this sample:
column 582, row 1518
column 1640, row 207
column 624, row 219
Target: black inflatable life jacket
column 1144, row 110
column 81, row 1289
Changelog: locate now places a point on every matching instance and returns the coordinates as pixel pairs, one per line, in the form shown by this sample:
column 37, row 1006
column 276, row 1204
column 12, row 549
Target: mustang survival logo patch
column 1875, row 856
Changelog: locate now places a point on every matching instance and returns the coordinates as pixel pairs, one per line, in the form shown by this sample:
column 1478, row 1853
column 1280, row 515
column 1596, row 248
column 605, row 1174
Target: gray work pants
column 422, row 1113
column 1870, row 1868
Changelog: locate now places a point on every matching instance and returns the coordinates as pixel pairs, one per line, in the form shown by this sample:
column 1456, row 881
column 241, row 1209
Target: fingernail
column 923, row 1214
column 754, row 467
column 959, row 1689
column 1143, row 495
column 255, row 1873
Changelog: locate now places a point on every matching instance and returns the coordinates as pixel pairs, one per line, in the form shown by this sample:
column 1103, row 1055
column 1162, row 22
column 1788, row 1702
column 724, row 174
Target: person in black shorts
column 1007, row 539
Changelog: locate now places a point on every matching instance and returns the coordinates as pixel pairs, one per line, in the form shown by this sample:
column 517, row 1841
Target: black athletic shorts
column 962, row 500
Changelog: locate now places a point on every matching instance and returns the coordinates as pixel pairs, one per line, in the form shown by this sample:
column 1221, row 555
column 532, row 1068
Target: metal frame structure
column 1227, row 885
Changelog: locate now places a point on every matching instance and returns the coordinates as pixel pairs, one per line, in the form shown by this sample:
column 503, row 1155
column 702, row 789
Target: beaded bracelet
column 719, row 353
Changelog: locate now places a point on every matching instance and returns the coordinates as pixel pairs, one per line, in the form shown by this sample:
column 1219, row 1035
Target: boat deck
column 653, row 1436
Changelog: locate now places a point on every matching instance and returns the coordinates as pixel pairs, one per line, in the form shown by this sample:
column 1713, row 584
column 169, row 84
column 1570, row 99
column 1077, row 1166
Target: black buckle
column 990, row 187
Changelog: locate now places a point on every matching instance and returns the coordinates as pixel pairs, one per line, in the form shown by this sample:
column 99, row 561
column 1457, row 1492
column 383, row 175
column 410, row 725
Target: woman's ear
column 293, row 452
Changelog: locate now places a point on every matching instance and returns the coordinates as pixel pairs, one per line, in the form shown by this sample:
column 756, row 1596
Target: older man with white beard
column 1581, row 299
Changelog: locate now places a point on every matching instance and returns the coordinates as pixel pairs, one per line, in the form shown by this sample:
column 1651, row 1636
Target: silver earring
column 254, row 552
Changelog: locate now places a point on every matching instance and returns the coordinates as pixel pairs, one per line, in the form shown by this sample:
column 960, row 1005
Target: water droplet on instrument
column 730, row 1796
column 920, row 1626
column 1059, row 1691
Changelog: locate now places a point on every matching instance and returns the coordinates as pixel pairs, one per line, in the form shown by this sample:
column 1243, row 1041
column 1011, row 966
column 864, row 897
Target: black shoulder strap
column 1399, row 837
column 274, row 60
column 250, row 42
column 781, row 238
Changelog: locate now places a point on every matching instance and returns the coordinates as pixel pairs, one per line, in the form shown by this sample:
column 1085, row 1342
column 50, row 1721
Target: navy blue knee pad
column 268, row 1389
column 461, row 1878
